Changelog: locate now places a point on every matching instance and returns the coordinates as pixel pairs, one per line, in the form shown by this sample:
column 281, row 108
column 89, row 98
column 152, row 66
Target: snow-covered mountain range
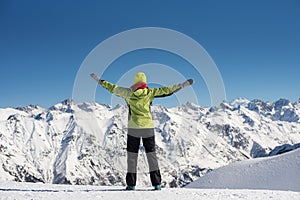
column 85, row 143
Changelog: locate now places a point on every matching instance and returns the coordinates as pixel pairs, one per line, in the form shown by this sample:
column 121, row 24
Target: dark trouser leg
column 133, row 144
column 149, row 144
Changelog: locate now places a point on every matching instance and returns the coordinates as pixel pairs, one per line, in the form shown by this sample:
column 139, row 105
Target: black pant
column 133, row 143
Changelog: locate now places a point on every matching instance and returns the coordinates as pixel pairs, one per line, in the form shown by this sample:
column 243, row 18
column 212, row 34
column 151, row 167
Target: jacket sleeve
column 116, row 90
column 165, row 91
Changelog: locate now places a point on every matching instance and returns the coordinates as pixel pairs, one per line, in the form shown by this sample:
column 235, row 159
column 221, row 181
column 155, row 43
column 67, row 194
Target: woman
column 140, row 125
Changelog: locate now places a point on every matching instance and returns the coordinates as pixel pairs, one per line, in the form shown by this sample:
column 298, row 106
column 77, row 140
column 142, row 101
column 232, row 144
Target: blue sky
column 255, row 45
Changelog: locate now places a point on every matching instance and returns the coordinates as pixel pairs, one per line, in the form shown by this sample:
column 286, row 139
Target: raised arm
column 112, row 88
column 167, row 91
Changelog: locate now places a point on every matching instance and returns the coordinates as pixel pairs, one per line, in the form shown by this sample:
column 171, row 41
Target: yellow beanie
column 139, row 77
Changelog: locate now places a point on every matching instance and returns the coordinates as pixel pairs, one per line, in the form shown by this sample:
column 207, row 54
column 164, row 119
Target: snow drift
column 273, row 173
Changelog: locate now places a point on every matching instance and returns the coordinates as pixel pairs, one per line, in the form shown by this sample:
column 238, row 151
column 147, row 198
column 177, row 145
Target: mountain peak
column 28, row 108
column 281, row 103
column 64, row 106
column 239, row 102
column 67, row 102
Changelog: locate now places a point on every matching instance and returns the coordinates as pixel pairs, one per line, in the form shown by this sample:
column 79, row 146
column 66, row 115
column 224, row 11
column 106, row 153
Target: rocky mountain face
column 85, row 143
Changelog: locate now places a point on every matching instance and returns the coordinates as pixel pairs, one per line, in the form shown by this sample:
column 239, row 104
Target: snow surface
column 13, row 190
column 274, row 173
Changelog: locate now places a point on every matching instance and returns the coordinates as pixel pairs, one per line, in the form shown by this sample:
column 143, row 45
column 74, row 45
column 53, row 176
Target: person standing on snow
column 140, row 125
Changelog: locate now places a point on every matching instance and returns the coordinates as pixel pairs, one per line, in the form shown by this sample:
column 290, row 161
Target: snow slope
column 274, row 173
column 85, row 143
column 13, row 190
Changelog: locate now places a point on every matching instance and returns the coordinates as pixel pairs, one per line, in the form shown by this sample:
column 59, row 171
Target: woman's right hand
column 95, row 77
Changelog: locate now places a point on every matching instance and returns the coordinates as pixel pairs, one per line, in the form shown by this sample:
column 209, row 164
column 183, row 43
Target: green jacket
column 139, row 102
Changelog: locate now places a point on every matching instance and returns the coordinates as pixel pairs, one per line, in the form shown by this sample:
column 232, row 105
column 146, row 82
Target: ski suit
column 140, row 124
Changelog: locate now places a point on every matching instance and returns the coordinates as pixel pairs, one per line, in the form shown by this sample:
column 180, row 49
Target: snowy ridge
column 273, row 173
column 85, row 143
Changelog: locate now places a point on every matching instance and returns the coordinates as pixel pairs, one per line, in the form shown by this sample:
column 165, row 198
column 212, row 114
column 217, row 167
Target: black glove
column 96, row 78
column 187, row 83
